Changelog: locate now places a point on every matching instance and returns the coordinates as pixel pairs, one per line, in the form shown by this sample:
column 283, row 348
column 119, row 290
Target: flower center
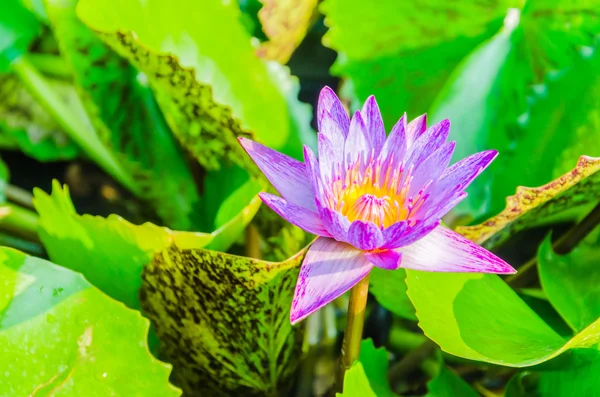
column 371, row 193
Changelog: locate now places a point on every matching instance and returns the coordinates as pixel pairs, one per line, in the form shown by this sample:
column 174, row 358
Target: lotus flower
column 372, row 200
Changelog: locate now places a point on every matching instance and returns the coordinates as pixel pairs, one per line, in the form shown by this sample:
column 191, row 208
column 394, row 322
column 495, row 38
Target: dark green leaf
column 18, row 27
column 577, row 381
column 572, row 283
column 531, row 92
column 394, row 50
column 125, row 115
column 27, row 126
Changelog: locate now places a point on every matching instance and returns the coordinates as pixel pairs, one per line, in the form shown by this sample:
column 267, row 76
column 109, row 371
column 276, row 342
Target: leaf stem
column 410, row 362
column 19, row 196
column 20, row 221
column 252, row 249
column 355, row 322
column 52, row 65
column 75, row 127
column 565, row 244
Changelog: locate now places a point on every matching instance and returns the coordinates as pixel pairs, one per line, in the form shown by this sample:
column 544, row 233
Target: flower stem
column 354, row 328
column 19, row 221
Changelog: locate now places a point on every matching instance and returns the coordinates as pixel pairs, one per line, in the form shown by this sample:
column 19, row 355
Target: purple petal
column 314, row 176
column 430, row 141
column 455, row 179
column 446, row 251
column 330, row 268
column 299, row 216
column 463, row 172
column 410, row 235
column 286, row 174
column 333, row 132
column 415, row 128
column 335, row 223
column 431, row 168
column 389, row 260
column 357, row 143
column 329, row 102
column 394, row 233
column 395, row 145
column 331, row 158
column 365, row 235
column 374, row 123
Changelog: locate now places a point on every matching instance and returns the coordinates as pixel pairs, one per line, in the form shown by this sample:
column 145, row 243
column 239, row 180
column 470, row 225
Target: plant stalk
column 527, row 274
column 355, row 322
column 52, row 65
column 20, row 221
column 19, row 196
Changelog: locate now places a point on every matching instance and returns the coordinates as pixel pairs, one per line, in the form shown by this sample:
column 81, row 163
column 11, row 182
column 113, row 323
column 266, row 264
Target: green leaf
column 61, row 336
column 577, row 381
column 368, row 375
column 389, row 289
column 508, row 95
column 394, row 51
column 27, row 126
column 207, row 98
column 446, row 383
column 110, row 252
column 356, row 383
column 281, row 239
column 572, row 283
column 576, row 189
column 285, row 23
column 125, row 115
column 18, row 27
column 479, row 317
column 224, row 319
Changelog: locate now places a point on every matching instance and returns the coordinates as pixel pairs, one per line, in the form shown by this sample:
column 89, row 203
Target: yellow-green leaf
column 285, row 23
column 60, row 336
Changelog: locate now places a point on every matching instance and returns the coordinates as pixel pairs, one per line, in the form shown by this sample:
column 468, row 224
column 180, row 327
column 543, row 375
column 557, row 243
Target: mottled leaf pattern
column 533, row 206
column 224, row 320
column 124, row 113
column 208, row 100
column 26, row 125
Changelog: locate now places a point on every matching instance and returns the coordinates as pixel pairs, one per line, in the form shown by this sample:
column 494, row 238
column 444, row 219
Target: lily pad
column 61, row 336
column 479, row 317
column 224, row 320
